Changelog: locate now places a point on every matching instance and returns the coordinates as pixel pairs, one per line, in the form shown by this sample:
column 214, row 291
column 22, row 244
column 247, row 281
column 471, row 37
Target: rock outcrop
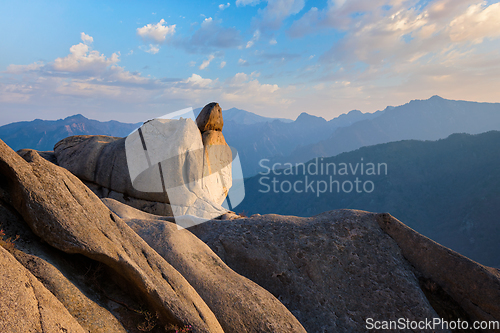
column 62, row 212
column 166, row 156
column 194, row 166
column 67, row 215
column 332, row 271
column 90, row 316
column 101, row 163
column 239, row 304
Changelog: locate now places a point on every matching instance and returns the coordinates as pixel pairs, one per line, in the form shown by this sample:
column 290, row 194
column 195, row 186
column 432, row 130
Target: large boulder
column 62, row 211
column 332, row 271
column 100, row 162
column 82, row 285
column 239, row 304
column 166, row 155
column 165, row 168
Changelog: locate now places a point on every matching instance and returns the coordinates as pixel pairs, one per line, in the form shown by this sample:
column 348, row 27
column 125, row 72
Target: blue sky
column 131, row 60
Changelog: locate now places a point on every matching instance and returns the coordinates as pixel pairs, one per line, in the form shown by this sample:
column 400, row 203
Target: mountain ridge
column 430, row 119
column 43, row 134
column 254, row 136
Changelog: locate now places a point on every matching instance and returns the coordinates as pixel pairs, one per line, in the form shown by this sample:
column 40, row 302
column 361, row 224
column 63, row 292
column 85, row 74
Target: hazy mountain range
column 43, row 134
column 310, row 136
column 448, row 190
column 430, row 119
column 255, row 137
column 284, row 140
column 277, row 139
column 244, row 117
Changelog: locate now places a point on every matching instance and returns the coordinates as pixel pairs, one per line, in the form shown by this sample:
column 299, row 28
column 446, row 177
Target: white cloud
column 85, row 89
column 478, row 22
column 273, row 41
column 207, row 22
column 17, row 69
column 157, row 32
column 307, row 24
column 89, row 76
column 388, row 56
column 153, row 49
column 82, row 65
column 83, row 59
column 86, row 38
column 271, row 17
column 119, row 75
column 409, row 49
column 224, row 6
column 206, row 62
column 380, row 36
column 255, row 37
column 196, row 81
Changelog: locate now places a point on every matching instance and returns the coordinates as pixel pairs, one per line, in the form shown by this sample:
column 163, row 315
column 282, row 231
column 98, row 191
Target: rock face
column 239, row 304
column 334, row 270
column 166, row 156
column 91, row 316
column 476, row 288
column 26, row 305
column 166, row 180
column 65, row 214
column 100, row 161
column 68, row 216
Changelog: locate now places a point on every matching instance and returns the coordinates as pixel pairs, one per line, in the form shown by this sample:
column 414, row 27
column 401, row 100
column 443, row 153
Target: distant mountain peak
column 436, row 97
column 306, row 117
column 76, row 117
column 354, row 112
